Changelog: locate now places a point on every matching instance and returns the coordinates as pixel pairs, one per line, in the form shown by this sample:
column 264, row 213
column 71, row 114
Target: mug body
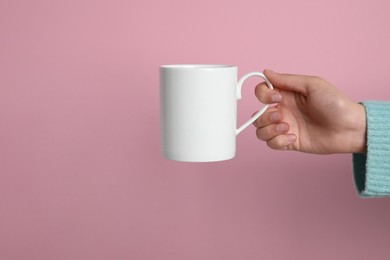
column 198, row 112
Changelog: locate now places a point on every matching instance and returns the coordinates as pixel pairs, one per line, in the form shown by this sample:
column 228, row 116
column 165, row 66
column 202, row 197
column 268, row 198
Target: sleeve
column 371, row 170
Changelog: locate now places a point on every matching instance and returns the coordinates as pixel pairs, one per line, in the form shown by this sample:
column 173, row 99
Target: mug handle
column 263, row 109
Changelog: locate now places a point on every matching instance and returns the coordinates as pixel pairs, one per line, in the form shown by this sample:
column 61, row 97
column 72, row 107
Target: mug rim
column 196, row 66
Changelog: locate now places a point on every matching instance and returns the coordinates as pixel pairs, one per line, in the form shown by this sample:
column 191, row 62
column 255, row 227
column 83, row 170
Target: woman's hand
column 310, row 115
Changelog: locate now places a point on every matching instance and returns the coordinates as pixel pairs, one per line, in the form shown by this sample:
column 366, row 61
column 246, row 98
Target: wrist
column 359, row 132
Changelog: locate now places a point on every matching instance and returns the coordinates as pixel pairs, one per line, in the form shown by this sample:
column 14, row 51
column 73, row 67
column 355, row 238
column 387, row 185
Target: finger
column 270, row 116
column 268, row 132
column 292, row 82
column 282, row 142
column 266, row 95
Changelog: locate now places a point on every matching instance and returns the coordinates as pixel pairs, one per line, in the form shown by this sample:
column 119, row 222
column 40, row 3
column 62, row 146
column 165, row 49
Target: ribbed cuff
column 372, row 170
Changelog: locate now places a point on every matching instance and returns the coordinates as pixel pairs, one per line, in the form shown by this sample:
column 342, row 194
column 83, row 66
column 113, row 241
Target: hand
column 310, row 115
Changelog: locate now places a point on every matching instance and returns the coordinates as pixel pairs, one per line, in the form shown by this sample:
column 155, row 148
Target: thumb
column 291, row 82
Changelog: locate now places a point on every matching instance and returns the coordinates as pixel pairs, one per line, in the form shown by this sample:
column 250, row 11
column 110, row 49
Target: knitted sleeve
column 372, row 169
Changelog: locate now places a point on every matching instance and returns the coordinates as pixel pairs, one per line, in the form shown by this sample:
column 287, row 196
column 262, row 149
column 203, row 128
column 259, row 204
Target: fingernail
column 291, row 138
column 281, row 128
column 276, row 98
column 274, row 116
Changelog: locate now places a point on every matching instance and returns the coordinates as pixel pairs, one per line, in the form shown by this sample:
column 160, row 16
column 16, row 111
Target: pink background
column 81, row 176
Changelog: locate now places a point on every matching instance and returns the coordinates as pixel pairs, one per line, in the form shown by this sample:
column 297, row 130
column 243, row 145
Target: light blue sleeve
column 372, row 169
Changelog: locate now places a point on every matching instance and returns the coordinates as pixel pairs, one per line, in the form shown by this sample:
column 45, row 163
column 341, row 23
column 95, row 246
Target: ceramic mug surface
column 198, row 111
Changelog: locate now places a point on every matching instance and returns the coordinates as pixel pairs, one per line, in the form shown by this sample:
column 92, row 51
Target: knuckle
column 262, row 120
column 315, row 80
column 266, row 133
column 271, row 144
column 260, row 134
column 261, row 92
column 276, row 143
column 263, row 133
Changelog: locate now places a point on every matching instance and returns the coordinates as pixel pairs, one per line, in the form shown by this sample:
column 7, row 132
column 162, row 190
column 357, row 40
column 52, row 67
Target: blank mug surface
column 198, row 112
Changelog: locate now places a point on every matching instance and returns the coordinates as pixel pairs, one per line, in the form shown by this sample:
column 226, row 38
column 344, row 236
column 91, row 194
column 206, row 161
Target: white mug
column 198, row 111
